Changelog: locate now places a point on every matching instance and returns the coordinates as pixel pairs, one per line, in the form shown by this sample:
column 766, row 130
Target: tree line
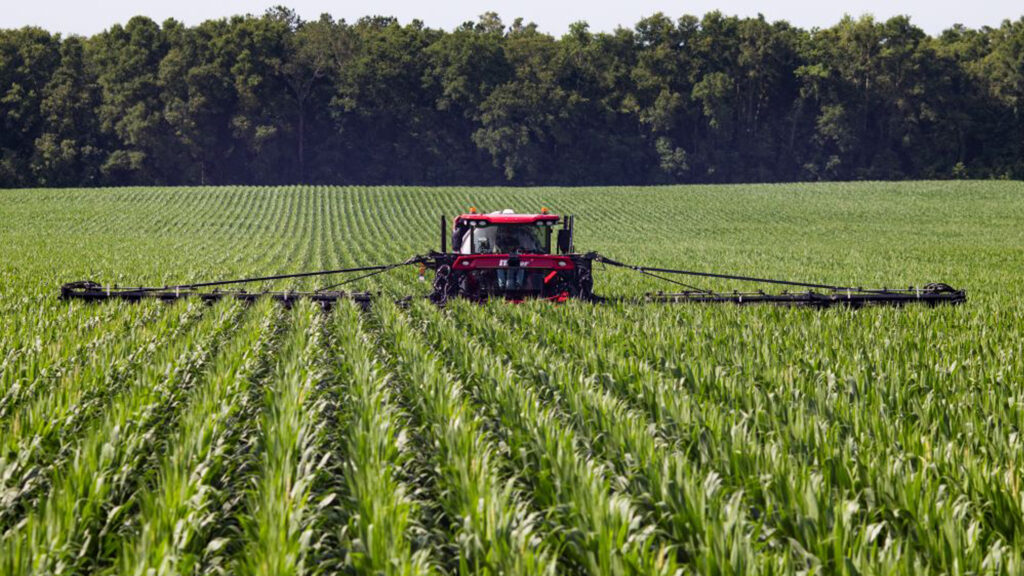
column 273, row 99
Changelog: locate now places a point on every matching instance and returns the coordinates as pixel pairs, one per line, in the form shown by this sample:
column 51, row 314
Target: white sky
column 85, row 17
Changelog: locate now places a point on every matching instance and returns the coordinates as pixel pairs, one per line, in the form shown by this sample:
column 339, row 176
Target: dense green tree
column 662, row 84
column 463, row 68
column 141, row 147
column 67, row 152
column 198, row 100
column 263, row 123
column 1004, row 66
column 28, row 58
column 385, row 114
column 601, row 140
column 523, row 121
column 309, row 58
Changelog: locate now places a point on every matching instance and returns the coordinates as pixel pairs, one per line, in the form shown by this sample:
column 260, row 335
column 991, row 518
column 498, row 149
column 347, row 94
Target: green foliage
column 532, row 438
column 273, row 99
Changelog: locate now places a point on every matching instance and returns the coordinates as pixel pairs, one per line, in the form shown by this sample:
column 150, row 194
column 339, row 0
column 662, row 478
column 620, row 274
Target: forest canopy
column 273, row 99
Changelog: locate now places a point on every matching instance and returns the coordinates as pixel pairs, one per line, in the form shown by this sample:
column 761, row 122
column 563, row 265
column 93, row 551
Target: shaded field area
column 512, row 439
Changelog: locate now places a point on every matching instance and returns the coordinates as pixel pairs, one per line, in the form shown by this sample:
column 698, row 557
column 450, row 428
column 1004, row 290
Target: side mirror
column 564, row 241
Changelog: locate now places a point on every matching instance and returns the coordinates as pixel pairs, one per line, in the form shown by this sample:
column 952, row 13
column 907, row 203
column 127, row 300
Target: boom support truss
column 818, row 295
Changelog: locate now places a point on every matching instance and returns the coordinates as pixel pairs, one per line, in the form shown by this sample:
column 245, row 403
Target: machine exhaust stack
column 444, row 235
column 565, row 240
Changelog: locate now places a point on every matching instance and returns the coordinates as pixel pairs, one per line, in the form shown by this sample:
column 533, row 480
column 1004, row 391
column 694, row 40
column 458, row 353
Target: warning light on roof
column 472, row 209
column 543, row 210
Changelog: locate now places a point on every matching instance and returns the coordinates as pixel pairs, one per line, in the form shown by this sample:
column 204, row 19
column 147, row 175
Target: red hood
column 509, row 218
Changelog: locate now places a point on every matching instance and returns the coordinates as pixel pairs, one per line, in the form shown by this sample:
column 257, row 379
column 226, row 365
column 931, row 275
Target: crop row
column 79, row 519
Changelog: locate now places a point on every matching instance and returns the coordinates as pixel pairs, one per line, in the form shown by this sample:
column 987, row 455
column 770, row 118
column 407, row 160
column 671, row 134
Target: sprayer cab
column 503, row 233
column 512, row 255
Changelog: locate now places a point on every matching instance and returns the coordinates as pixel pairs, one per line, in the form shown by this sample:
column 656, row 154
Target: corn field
column 184, row 438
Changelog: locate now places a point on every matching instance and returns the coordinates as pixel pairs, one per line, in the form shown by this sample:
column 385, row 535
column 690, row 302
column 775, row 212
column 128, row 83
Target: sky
column 552, row 16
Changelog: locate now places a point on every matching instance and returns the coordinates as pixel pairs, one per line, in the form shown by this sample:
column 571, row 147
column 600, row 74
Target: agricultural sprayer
column 526, row 256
